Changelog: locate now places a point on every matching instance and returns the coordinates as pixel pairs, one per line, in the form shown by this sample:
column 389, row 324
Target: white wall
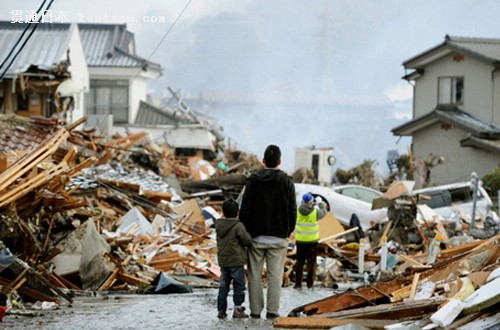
column 496, row 98
column 78, row 84
column 137, row 92
column 478, row 86
column 460, row 162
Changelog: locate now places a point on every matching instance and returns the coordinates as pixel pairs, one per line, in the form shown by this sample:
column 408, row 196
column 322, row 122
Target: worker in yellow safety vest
column 310, row 211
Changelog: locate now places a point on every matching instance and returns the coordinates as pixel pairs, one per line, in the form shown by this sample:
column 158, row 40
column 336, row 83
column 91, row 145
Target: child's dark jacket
column 232, row 238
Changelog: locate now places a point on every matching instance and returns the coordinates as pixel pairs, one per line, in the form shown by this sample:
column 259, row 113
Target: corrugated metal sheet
column 150, row 115
column 110, row 45
column 45, row 48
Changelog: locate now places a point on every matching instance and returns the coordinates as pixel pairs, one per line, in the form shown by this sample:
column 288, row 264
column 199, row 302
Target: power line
column 158, row 45
column 28, row 25
column 25, row 42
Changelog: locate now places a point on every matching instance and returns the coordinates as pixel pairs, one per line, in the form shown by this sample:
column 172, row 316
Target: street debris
column 79, row 214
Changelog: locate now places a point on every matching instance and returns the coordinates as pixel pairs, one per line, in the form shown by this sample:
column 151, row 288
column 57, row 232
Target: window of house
column 108, row 97
column 451, row 90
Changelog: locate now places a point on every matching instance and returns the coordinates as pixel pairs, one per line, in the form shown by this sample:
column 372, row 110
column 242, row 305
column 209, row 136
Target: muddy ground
column 195, row 310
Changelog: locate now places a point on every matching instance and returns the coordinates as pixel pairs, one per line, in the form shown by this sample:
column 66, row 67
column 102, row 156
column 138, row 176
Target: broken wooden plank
column 414, row 284
column 127, row 278
column 31, row 159
column 325, row 323
column 331, row 237
column 67, row 283
column 349, row 299
column 392, row 311
column 457, row 250
column 109, row 281
column 28, row 292
column 77, row 123
column 32, row 184
column 48, row 284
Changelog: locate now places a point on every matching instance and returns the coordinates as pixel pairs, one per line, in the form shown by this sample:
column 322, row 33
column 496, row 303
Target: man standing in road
column 307, row 237
column 269, row 212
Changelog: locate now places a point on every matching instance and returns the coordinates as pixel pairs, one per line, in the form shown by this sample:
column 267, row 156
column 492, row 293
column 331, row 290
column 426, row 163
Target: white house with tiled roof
column 118, row 76
column 456, row 107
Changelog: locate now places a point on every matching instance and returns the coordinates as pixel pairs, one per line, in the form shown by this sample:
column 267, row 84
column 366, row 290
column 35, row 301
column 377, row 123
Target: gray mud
column 195, row 310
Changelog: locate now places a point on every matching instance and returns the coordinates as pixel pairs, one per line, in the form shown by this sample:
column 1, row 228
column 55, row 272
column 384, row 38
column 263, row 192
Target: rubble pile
column 85, row 214
column 79, row 213
column 418, row 270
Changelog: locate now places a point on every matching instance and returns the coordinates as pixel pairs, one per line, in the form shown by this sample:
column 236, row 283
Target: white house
column 48, row 76
column 456, row 109
column 118, row 76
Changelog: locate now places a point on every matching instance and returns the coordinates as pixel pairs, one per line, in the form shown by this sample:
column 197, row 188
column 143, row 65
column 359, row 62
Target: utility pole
column 475, row 182
column 326, row 40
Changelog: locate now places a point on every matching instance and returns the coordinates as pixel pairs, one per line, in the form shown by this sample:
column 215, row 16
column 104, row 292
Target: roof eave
column 414, row 75
column 475, row 142
column 416, row 61
column 417, row 124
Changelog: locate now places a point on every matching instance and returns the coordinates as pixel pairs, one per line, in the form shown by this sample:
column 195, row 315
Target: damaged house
column 49, row 76
column 456, row 110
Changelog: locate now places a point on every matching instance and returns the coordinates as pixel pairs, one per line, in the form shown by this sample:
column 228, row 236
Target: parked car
column 442, row 200
column 345, row 200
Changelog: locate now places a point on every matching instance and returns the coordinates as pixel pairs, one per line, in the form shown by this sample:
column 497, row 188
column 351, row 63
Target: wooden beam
column 7, row 288
column 324, row 323
column 414, row 284
column 110, row 280
column 67, row 283
column 28, row 292
column 32, row 184
column 392, row 311
column 132, row 279
column 349, row 299
column 77, row 123
column 31, row 159
column 329, row 238
column 450, row 252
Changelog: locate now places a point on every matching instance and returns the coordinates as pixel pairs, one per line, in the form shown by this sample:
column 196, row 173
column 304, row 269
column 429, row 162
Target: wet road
column 195, row 310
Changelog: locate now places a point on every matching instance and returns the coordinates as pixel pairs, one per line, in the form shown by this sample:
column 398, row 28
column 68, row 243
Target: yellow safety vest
column 307, row 227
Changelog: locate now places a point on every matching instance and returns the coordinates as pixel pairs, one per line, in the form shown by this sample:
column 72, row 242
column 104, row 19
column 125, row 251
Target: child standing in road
column 232, row 239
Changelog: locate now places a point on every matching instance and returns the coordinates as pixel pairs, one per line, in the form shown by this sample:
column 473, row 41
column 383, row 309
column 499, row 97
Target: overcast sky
column 355, row 47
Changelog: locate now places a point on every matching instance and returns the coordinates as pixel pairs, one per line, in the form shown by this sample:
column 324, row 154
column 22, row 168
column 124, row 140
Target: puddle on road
column 172, row 311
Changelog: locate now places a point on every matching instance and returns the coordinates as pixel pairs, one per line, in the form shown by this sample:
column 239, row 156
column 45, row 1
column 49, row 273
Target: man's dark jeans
column 306, row 254
column 237, row 276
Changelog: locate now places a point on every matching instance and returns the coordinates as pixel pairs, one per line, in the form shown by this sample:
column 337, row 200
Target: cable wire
column 158, row 45
column 28, row 25
column 25, row 42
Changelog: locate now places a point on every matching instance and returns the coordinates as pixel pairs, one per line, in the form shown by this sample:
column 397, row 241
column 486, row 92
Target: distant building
column 357, row 127
column 456, row 110
column 48, row 76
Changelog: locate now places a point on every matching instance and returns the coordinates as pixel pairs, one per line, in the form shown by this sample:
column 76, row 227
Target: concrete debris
column 81, row 216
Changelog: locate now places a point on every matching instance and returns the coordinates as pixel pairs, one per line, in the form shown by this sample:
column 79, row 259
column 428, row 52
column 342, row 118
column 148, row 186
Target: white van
column 442, row 198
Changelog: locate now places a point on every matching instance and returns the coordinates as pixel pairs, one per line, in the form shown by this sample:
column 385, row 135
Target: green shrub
column 491, row 180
